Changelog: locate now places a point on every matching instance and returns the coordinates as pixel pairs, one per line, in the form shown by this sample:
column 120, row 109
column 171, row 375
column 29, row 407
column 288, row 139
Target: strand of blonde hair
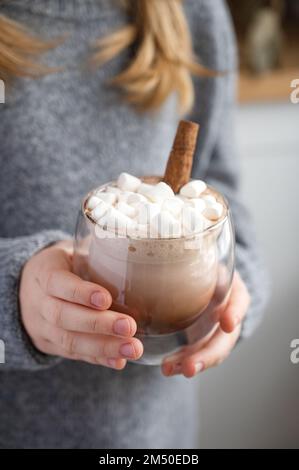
column 19, row 50
column 162, row 63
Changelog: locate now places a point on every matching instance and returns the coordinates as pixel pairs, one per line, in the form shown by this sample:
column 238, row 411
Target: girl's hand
column 193, row 359
column 66, row 316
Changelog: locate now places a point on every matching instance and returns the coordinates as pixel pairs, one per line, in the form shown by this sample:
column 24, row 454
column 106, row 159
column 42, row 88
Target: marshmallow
column 92, row 202
column 213, row 212
column 109, row 198
column 99, row 211
column 138, row 206
column 133, row 198
column 113, row 190
column 209, row 199
column 134, row 208
column 128, row 182
column 173, row 205
column 166, row 226
column 198, row 204
column 123, row 196
column 192, row 222
column 126, row 209
column 116, row 221
column 193, row 189
column 144, row 188
column 181, row 198
column 146, row 212
column 160, row 192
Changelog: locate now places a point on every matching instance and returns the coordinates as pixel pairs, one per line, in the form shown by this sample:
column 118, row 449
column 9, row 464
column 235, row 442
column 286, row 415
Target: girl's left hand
column 193, row 359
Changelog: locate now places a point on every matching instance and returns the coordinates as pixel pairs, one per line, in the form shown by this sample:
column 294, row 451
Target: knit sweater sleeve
column 19, row 352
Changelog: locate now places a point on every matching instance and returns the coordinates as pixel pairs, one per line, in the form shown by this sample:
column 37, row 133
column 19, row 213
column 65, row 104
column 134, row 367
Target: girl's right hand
column 66, row 316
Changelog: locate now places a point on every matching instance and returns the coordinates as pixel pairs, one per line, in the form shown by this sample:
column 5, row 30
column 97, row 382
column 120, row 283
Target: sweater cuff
column 20, row 353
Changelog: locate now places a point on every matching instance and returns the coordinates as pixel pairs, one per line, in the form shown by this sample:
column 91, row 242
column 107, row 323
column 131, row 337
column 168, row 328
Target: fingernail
column 167, row 368
column 98, row 299
column 127, row 350
column 199, row 366
column 122, row 327
column 111, row 362
column 172, row 369
column 176, row 369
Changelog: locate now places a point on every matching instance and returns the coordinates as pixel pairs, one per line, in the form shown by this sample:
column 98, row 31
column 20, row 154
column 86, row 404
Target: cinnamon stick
column 179, row 165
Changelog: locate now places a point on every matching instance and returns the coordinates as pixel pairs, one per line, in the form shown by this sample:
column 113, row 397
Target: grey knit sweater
column 59, row 137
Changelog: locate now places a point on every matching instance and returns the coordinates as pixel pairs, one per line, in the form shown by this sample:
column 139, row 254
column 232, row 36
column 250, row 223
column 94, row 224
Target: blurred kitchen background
column 252, row 400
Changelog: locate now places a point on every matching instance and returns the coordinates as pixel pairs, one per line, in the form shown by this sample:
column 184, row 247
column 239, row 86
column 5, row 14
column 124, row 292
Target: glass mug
column 172, row 287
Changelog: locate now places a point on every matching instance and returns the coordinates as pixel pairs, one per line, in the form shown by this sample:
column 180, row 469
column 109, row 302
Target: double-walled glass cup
column 172, row 287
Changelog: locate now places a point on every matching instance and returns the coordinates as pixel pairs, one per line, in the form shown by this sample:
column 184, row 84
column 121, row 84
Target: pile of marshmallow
column 134, row 208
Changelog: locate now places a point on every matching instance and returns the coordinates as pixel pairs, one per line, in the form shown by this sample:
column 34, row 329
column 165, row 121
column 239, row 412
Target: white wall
column 252, row 400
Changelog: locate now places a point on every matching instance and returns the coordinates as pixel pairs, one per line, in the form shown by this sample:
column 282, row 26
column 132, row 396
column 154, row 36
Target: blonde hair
column 162, row 63
column 18, row 51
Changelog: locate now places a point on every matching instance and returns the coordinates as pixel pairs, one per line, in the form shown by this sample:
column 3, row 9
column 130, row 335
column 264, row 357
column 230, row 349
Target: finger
column 177, row 357
column 73, row 317
column 236, row 307
column 213, row 354
column 94, row 345
column 51, row 349
column 190, row 361
column 67, row 286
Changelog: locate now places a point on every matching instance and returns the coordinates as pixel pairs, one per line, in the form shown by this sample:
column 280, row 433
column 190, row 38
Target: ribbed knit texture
column 60, row 136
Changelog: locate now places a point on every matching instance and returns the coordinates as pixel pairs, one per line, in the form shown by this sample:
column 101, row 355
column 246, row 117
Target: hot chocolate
column 164, row 283
column 163, row 247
